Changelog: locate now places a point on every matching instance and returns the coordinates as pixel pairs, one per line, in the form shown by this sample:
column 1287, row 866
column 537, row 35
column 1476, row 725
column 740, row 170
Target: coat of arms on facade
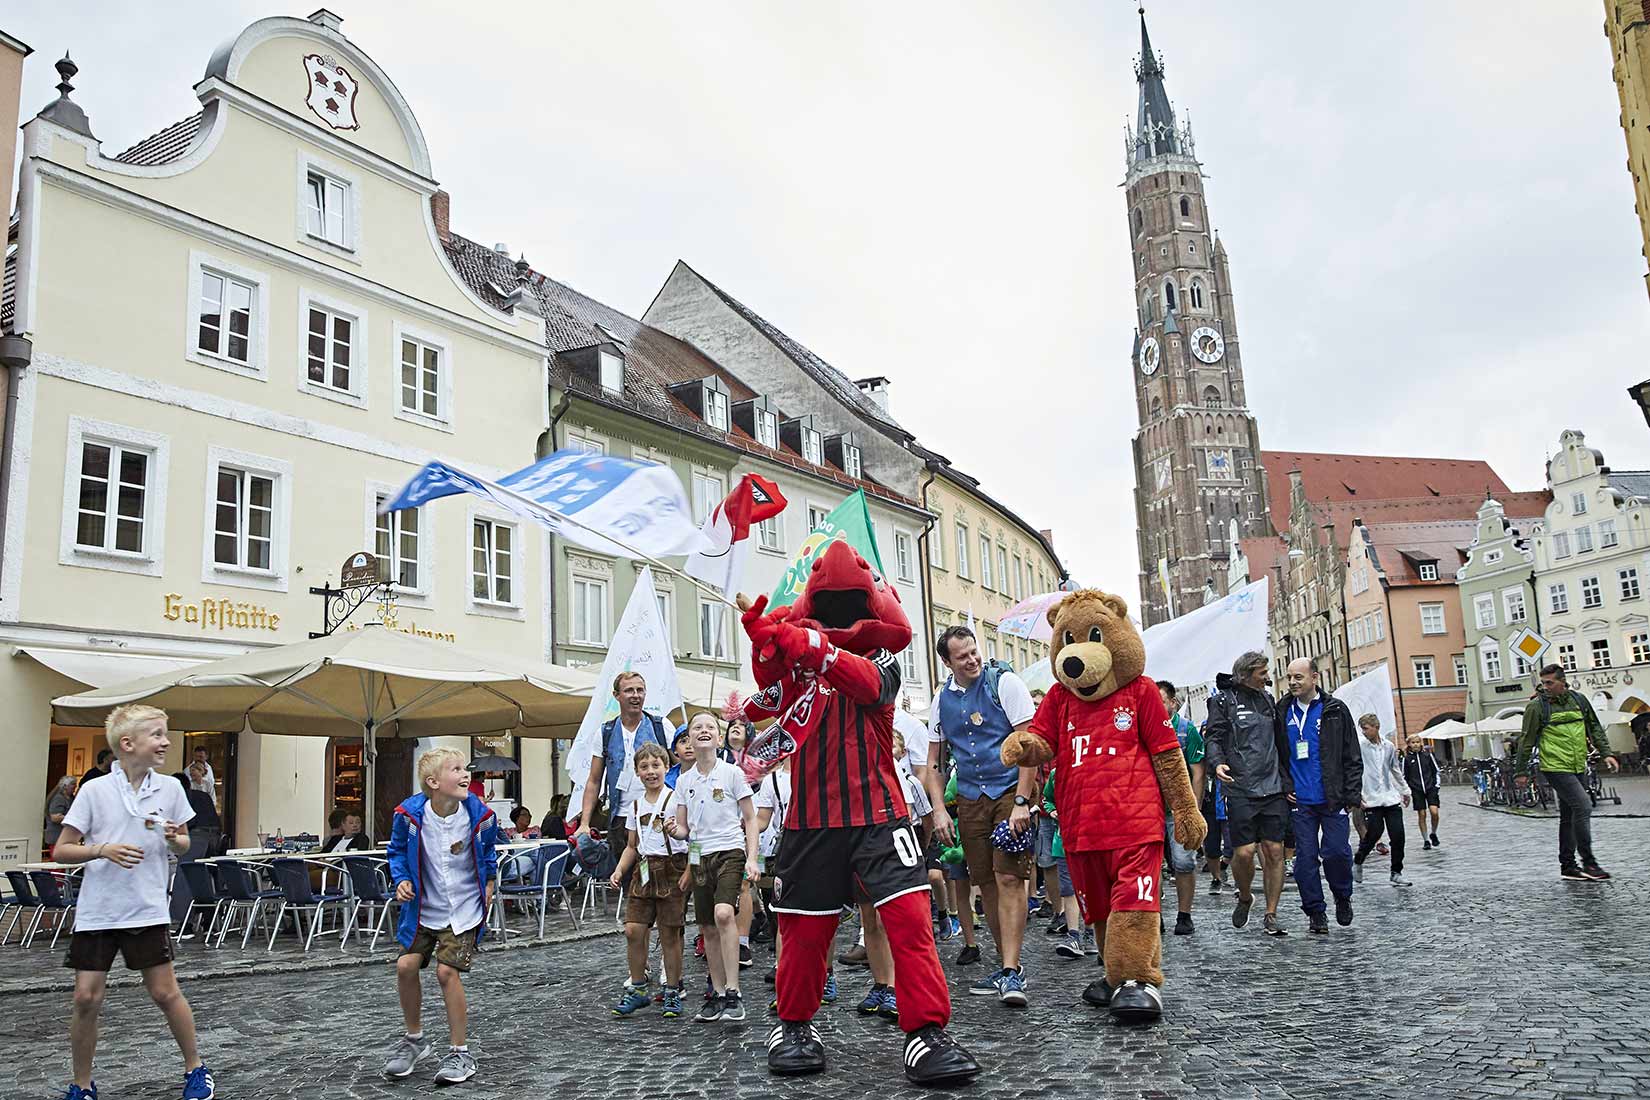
column 331, row 92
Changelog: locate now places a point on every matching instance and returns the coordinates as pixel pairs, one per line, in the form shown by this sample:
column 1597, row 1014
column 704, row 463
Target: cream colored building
column 980, row 558
column 244, row 330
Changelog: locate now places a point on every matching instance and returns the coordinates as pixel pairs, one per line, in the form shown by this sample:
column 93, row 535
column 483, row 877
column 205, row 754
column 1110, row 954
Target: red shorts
column 1117, row 879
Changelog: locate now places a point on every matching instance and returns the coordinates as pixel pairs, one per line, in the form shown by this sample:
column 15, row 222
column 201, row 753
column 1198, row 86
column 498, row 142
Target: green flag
column 849, row 522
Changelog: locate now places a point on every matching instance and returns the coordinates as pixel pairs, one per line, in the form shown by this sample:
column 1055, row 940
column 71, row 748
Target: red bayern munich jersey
column 1104, row 785
column 842, row 774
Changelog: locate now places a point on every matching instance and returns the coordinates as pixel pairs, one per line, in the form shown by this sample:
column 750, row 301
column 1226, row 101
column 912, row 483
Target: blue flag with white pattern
column 613, row 506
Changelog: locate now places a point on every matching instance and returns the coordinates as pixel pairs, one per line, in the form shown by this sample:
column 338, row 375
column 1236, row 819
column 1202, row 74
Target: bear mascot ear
column 1117, row 604
column 1054, row 610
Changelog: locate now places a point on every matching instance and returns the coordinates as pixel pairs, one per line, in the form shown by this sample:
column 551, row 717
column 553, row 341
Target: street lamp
column 1641, row 396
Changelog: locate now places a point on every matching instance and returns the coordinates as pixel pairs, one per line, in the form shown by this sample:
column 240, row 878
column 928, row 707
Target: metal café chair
column 24, row 907
column 533, row 883
column 369, row 879
column 203, row 894
column 298, row 897
column 241, row 895
column 55, row 895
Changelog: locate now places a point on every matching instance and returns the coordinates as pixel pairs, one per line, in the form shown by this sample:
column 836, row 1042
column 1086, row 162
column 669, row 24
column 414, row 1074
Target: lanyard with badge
column 656, row 821
column 151, row 819
column 1297, row 724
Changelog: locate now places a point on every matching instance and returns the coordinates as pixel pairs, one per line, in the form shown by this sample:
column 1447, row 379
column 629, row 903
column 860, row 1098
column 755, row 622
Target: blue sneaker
column 988, row 986
column 197, row 1084
column 1011, row 989
column 828, row 997
column 634, row 1000
column 889, row 1008
column 77, row 1093
column 672, row 1003
column 873, row 1000
column 953, row 928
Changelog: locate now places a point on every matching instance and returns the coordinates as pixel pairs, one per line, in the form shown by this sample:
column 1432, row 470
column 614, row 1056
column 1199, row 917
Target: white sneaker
column 1399, row 880
column 1357, row 872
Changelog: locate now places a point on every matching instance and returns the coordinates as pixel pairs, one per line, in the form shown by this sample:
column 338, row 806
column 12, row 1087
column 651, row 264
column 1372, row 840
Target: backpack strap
column 993, row 673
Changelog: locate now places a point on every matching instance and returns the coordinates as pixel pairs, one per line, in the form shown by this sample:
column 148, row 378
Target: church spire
column 1155, row 132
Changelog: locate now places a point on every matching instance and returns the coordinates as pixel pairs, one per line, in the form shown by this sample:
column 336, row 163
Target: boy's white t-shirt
column 647, row 817
column 774, row 793
column 916, row 735
column 916, row 798
column 712, row 802
column 112, row 896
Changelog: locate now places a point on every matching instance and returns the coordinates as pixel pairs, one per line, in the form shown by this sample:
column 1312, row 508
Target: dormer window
column 850, row 461
column 813, row 449
column 610, row 366
column 1429, row 571
column 716, row 409
column 842, row 451
column 757, row 418
column 767, row 428
column 800, row 435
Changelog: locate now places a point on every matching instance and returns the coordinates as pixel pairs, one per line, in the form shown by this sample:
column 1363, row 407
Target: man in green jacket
column 1561, row 723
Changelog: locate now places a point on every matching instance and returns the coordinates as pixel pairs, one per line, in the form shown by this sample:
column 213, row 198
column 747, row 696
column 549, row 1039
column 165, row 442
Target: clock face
column 1207, row 345
column 1150, row 355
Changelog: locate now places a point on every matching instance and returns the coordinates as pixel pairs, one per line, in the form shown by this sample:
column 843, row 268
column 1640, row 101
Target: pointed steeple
column 1155, row 132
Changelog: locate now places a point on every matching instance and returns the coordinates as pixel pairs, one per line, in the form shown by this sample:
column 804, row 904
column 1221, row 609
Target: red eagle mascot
column 829, row 671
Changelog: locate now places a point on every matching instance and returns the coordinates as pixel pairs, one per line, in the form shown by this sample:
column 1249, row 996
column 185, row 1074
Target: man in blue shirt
column 974, row 712
column 1327, row 769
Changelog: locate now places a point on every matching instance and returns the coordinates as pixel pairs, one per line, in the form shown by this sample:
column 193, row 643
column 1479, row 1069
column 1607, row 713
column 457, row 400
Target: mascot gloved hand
column 1117, row 765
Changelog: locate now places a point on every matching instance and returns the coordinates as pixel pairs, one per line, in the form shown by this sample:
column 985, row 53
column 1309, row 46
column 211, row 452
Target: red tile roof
column 1401, row 547
column 1329, row 478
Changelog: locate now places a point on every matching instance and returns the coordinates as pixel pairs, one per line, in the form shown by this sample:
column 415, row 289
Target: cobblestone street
column 1490, row 977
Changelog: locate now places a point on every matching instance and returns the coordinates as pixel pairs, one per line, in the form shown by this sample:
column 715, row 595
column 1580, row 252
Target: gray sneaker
column 1399, row 880
column 1357, row 872
column 457, row 1066
column 407, row 1054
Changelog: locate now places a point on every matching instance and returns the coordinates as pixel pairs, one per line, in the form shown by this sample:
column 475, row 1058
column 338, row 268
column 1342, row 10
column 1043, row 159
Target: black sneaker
column 733, row 1007
column 1433, row 837
column 1098, row 993
column 1594, row 872
column 710, row 1011
column 1240, row 912
column 933, row 1057
column 1271, row 926
column 1317, row 924
column 1426, row 845
column 772, row 975
column 968, row 956
column 1183, row 924
column 745, row 957
column 1057, row 926
column 1573, row 874
column 1136, row 1003
column 1214, row 886
column 1343, row 911
column 794, row 1047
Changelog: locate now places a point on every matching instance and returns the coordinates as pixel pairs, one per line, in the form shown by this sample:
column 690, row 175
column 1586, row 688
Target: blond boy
column 122, row 826
column 443, row 855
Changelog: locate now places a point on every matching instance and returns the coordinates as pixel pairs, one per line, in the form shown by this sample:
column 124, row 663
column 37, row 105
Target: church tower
column 1197, row 452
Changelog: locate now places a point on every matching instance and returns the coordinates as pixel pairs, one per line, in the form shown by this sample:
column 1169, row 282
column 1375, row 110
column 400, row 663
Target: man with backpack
column 1560, row 723
column 613, row 769
column 980, row 704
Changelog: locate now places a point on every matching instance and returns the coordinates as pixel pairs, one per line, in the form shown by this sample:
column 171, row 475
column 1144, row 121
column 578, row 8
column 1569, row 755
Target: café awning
column 102, row 668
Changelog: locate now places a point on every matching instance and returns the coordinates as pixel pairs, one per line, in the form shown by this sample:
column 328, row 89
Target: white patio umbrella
column 366, row 683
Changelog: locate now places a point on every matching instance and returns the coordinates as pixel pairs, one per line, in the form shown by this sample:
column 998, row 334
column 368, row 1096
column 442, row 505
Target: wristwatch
column 1021, row 800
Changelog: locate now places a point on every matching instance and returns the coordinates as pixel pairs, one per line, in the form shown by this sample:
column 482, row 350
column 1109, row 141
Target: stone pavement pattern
column 1489, row 978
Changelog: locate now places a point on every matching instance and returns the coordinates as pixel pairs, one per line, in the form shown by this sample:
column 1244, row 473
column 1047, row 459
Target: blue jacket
column 406, row 864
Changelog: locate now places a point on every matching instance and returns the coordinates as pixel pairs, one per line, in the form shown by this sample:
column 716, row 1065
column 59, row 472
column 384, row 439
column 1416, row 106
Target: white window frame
column 908, row 667
column 813, row 447
column 257, row 363
column 664, row 597
column 1483, row 609
column 1584, row 539
column 1513, row 605
column 1628, row 575
column 151, row 560
column 718, row 412
column 348, row 247
column 819, row 510
column 1561, row 544
column 1423, row 672
column 1638, row 647
column 960, row 530
column 985, row 561
column 724, row 649
column 1558, row 598
column 279, row 471
column 515, row 608
column 1567, row 656
column 1578, row 504
column 1607, row 537
column 770, row 535
column 606, row 362
column 1492, row 557
column 1002, row 569
column 1598, row 593
column 1459, row 661
column 851, row 464
column 1380, row 626
column 767, row 429
column 1424, row 608
column 589, row 443
column 1595, row 651
column 905, row 568
column 1428, row 570
column 1489, row 657
column 443, row 419
column 356, row 395
column 604, row 588
column 421, row 595
column 715, row 488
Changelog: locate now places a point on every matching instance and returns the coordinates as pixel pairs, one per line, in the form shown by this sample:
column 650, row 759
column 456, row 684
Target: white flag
column 1191, row 649
column 638, row 645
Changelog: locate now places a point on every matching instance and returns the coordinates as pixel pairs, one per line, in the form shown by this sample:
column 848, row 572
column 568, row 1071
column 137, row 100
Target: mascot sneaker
column 795, row 1048
column 932, row 1057
column 1098, row 993
column 1136, row 1003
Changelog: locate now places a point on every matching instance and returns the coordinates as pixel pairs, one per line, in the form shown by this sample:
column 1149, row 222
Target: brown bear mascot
column 1117, row 764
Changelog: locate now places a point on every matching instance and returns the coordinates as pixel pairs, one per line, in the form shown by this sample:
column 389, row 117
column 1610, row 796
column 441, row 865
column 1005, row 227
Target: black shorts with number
column 1253, row 819
column 821, row 870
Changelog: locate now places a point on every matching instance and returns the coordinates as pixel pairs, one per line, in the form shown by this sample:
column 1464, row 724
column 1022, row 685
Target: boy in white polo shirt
column 121, row 826
column 714, row 814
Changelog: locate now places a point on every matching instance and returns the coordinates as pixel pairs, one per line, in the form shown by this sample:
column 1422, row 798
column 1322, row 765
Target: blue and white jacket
column 406, row 862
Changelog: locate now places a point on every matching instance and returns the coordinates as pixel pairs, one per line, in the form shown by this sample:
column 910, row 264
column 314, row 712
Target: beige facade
column 244, row 330
column 982, row 559
column 1627, row 26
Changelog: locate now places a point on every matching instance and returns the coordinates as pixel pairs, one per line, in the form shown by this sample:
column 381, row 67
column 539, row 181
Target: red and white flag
column 728, row 529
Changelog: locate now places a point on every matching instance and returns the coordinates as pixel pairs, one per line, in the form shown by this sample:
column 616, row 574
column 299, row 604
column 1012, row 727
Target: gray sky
column 1431, row 227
